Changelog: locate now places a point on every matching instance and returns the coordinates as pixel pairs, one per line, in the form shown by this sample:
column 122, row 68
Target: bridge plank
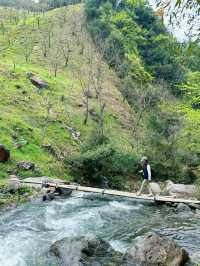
column 164, row 199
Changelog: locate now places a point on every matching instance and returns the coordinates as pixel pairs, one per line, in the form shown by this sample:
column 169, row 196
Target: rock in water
column 4, row 154
column 182, row 207
column 86, row 250
column 154, row 250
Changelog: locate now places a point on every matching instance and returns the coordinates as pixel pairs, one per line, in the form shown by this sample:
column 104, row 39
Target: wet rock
column 24, row 165
column 49, row 194
column 179, row 190
column 37, row 81
column 197, row 213
column 154, row 250
column 194, row 206
column 182, row 207
column 4, row 154
column 64, row 192
column 85, row 250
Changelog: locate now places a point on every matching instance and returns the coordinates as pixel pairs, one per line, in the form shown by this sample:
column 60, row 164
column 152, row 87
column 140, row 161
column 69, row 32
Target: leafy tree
column 99, row 162
column 191, row 89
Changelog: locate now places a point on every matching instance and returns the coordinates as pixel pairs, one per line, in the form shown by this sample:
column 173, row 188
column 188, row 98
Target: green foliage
column 99, row 161
column 137, row 44
column 153, row 66
column 191, row 89
column 162, row 56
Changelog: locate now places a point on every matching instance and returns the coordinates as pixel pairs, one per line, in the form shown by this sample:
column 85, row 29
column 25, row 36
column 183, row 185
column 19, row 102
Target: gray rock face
column 87, row 250
column 154, row 250
column 4, row 154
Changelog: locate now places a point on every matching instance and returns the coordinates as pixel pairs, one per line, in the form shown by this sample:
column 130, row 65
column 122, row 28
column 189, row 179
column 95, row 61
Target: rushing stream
column 27, row 232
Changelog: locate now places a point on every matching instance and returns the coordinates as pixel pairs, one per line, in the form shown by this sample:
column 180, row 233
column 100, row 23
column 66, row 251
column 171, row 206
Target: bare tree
column 47, row 104
column 27, row 45
column 3, row 28
column 55, row 59
column 87, row 95
column 48, row 30
column 65, row 46
column 44, row 43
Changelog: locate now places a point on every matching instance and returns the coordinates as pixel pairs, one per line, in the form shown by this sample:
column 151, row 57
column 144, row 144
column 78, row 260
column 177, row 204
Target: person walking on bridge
column 146, row 176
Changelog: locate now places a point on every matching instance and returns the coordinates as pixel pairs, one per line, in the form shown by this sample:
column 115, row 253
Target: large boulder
column 4, row 154
column 155, row 188
column 154, row 250
column 86, row 250
column 179, row 190
column 37, row 81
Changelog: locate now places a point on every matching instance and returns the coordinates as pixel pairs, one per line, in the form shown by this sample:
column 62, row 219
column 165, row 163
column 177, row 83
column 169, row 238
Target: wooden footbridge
column 74, row 187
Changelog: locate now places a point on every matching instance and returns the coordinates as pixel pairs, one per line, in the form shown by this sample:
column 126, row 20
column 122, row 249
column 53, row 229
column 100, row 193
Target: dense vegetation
column 159, row 80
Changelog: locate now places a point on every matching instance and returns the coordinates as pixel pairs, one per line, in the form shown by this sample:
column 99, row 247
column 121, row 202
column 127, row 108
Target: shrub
column 94, row 166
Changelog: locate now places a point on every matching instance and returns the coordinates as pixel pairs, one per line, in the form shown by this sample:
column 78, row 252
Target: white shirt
column 149, row 172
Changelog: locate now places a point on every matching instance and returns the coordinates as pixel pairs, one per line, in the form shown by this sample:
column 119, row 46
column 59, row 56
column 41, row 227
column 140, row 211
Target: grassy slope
column 23, row 107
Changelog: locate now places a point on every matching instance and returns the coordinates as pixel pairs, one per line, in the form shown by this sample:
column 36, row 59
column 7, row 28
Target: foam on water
column 120, row 205
column 119, row 245
column 27, row 232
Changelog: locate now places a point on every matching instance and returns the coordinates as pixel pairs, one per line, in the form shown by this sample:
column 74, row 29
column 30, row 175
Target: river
column 27, row 232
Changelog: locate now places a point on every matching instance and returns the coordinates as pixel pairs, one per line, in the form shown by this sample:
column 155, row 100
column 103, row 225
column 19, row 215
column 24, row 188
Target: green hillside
column 30, row 117
column 160, row 81
column 119, row 87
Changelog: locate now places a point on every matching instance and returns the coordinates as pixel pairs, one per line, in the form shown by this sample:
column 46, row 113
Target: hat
column 144, row 158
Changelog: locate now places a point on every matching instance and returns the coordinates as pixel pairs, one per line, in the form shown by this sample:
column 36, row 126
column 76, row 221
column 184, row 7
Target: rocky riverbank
column 16, row 192
column 11, row 196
